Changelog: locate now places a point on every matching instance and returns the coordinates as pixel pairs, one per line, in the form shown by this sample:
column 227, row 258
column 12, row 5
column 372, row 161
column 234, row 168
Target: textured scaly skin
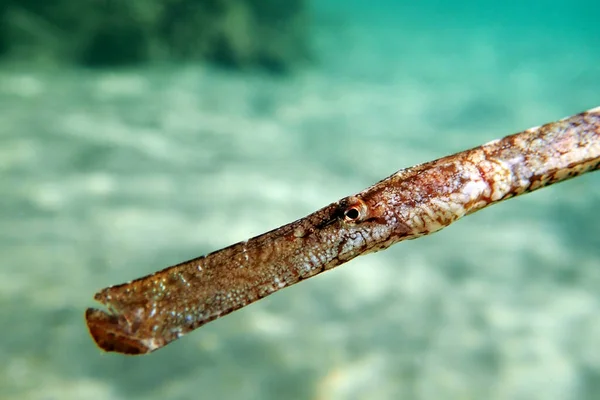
column 148, row 313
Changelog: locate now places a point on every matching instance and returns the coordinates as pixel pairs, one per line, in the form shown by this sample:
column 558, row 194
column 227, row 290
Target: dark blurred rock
column 3, row 31
column 236, row 33
column 270, row 34
column 115, row 43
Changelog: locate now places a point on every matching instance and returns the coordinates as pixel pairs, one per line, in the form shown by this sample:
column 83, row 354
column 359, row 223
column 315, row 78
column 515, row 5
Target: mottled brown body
column 148, row 313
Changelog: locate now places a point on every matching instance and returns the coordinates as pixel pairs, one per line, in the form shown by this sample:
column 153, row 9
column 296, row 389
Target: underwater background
column 110, row 174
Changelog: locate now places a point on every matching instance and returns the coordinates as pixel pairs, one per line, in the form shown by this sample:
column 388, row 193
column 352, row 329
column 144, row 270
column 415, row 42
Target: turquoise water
column 107, row 176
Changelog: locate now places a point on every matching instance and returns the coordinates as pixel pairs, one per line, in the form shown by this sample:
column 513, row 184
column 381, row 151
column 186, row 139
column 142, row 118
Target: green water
column 107, row 176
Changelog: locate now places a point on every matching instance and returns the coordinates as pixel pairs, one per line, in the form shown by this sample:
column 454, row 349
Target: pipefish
column 148, row 313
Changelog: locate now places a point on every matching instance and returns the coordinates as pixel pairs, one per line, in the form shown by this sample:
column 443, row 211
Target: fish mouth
column 112, row 333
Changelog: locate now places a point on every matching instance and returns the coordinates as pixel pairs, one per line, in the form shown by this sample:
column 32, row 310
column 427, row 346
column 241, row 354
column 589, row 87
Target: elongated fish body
column 146, row 314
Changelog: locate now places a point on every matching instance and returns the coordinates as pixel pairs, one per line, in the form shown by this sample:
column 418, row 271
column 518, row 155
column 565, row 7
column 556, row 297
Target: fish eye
column 352, row 214
column 356, row 210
